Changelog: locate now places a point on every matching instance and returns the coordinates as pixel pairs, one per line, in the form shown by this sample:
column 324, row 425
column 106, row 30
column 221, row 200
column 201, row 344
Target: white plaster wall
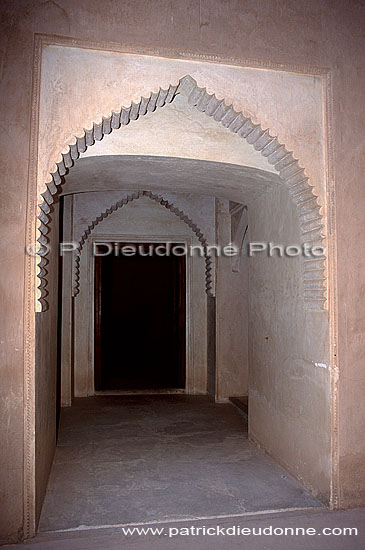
column 140, row 218
column 289, row 378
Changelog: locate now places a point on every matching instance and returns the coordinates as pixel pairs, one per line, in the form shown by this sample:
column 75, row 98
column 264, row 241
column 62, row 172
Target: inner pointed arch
column 163, row 202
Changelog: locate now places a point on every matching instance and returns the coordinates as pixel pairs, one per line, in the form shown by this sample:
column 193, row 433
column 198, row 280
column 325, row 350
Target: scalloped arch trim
column 284, row 162
column 163, row 202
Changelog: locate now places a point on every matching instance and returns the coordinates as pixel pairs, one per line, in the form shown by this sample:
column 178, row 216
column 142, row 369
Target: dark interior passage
column 139, row 321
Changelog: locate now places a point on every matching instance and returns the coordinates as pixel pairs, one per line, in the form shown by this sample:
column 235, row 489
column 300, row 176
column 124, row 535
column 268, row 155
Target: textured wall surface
column 289, row 389
column 316, row 32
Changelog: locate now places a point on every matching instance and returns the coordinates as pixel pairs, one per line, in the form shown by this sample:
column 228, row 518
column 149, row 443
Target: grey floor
column 133, row 459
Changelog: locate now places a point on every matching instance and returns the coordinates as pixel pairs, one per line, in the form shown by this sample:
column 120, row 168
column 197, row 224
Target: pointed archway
column 291, row 173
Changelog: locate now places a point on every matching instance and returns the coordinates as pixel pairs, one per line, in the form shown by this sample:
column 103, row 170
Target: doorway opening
column 140, row 318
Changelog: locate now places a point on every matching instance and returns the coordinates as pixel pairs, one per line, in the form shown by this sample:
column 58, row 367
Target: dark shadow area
column 139, row 321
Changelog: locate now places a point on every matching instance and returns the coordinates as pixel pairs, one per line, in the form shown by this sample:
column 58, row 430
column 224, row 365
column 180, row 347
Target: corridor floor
column 134, row 459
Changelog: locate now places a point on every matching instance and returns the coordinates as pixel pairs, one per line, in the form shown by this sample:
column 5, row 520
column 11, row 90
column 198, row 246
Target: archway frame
column 31, row 293
column 287, row 166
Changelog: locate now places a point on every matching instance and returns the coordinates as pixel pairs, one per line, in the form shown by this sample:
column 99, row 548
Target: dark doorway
column 140, row 319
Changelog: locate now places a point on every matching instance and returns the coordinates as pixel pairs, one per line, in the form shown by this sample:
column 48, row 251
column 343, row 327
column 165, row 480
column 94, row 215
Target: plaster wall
column 142, row 219
column 289, row 362
column 47, row 371
column 211, row 347
column 315, row 33
column 66, row 303
column 231, row 316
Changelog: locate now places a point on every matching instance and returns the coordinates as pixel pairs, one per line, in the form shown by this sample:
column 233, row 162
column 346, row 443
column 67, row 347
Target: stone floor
column 133, row 459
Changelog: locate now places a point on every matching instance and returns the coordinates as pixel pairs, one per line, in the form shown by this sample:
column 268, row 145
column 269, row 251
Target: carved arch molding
column 291, row 173
column 163, row 202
